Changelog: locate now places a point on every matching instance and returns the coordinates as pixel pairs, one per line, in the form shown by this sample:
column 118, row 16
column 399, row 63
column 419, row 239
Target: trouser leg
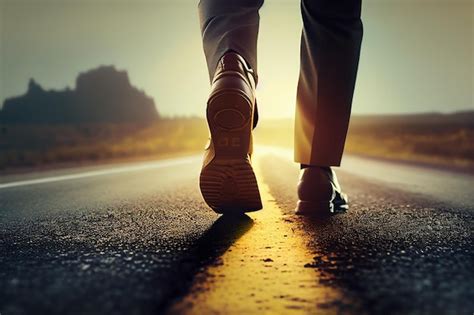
column 330, row 48
column 229, row 25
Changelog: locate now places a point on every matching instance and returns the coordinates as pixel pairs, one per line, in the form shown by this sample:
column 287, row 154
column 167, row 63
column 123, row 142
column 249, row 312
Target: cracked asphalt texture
column 131, row 243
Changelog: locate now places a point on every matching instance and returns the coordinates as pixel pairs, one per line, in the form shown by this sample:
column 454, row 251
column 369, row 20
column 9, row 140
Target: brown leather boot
column 319, row 193
column 228, row 183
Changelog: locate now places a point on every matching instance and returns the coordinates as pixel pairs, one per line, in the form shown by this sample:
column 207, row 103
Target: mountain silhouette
column 101, row 95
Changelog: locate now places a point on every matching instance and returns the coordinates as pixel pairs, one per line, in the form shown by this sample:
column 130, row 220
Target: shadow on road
column 126, row 261
column 209, row 248
column 220, row 236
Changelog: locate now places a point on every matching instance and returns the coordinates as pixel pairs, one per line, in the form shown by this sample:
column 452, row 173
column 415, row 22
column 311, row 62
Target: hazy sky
column 416, row 55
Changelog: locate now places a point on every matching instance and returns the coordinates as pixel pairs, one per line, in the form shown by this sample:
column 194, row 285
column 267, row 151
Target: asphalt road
column 138, row 239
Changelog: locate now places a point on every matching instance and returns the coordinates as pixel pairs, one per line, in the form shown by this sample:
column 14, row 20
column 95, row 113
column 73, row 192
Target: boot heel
column 230, row 186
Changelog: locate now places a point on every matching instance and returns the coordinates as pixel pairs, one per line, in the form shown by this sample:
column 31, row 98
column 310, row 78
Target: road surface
column 138, row 239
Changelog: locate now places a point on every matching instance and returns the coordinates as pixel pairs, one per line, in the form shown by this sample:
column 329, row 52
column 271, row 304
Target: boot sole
column 228, row 183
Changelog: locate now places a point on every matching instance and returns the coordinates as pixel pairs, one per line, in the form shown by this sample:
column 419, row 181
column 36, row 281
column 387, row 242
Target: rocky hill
column 101, row 95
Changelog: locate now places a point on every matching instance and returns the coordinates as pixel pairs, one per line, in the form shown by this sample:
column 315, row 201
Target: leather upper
column 318, row 184
column 232, row 73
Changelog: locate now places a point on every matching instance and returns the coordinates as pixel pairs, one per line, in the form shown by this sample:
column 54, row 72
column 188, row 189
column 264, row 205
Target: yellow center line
column 262, row 272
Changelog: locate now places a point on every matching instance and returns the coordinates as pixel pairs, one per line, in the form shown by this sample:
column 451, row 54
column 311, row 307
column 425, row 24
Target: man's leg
column 229, row 30
column 330, row 47
column 229, row 25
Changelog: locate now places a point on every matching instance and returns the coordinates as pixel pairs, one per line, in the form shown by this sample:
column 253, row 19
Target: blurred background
column 83, row 81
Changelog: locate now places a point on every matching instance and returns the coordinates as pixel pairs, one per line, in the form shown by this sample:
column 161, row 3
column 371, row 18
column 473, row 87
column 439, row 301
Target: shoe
column 227, row 181
column 319, row 193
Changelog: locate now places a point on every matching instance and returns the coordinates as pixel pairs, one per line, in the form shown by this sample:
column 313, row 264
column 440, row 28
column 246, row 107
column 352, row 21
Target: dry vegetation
column 39, row 145
column 446, row 140
column 436, row 145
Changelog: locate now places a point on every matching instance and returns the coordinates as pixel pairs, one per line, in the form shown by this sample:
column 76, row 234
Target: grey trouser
column 330, row 48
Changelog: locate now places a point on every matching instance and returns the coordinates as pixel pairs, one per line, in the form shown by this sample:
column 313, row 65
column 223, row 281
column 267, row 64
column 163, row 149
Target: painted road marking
column 113, row 170
column 262, row 271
